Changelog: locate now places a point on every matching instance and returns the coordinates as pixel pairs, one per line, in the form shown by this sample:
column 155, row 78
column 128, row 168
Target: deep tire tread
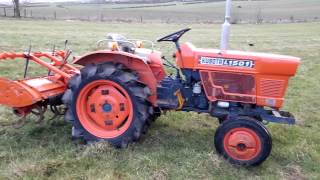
column 128, row 79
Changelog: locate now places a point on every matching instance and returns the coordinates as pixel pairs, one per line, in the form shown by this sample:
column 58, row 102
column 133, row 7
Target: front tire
column 243, row 141
column 107, row 103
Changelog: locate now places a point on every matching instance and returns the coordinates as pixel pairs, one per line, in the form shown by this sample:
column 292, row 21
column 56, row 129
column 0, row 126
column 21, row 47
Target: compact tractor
column 117, row 92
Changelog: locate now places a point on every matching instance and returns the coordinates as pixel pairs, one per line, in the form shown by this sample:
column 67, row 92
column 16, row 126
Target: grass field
column 272, row 11
column 178, row 145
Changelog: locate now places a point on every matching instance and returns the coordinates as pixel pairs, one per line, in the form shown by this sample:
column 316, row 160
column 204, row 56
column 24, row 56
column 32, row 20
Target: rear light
column 113, row 46
column 139, row 44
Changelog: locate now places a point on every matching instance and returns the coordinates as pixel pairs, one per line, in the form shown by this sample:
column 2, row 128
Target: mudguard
column 131, row 61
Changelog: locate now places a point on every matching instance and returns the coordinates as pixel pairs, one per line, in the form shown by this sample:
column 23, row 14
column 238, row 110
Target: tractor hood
column 231, row 60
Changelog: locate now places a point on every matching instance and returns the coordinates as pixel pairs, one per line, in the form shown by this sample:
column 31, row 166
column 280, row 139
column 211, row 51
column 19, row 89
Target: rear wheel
column 243, row 141
column 107, row 103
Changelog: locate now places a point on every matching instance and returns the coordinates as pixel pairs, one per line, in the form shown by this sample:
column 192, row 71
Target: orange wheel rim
column 242, row 144
column 104, row 109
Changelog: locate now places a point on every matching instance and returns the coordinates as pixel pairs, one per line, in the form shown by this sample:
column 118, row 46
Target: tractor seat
column 122, row 41
column 143, row 53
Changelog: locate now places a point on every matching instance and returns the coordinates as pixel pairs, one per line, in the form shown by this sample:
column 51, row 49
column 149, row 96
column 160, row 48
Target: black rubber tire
column 222, row 119
column 127, row 79
column 260, row 130
column 156, row 112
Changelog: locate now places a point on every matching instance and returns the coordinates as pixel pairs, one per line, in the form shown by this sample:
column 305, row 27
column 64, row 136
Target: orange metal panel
column 271, row 72
column 271, row 90
column 229, row 86
column 15, row 94
column 45, row 86
column 157, row 66
column 263, row 63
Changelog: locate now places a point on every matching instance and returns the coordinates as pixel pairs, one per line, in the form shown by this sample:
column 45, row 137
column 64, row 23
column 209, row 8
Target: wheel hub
column 242, row 144
column 105, row 108
column 109, row 110
column 241, row 147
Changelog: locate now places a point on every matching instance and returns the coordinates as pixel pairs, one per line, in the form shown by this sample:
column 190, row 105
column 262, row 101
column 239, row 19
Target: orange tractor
column 120, row 90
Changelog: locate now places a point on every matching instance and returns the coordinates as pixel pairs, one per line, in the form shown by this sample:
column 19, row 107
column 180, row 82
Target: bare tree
column 259, row 16
column 16, row 8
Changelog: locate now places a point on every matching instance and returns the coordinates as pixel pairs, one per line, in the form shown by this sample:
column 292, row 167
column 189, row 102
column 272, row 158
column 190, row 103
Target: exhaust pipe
column 226, row 27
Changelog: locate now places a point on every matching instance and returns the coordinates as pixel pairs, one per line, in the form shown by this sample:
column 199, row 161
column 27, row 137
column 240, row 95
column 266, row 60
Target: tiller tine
column 37, row 111
column 22, row 113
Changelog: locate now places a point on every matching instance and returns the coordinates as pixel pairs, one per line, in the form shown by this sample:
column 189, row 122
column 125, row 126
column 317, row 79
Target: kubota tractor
column 122, row 89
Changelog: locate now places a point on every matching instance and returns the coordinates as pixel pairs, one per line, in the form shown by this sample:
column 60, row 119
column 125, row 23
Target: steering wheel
column 174, row 37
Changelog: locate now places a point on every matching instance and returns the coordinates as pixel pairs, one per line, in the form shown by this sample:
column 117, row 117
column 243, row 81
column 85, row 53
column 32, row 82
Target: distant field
column 270, row 11
column 178, row 145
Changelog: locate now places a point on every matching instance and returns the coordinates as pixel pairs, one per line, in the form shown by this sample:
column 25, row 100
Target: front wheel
column 243, row 141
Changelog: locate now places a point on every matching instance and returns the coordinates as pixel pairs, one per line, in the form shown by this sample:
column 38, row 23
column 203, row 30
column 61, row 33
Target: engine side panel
column 237, row 76
column 229, row 86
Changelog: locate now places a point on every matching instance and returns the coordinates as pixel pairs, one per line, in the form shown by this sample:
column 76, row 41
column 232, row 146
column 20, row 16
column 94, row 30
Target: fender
column 131, row 61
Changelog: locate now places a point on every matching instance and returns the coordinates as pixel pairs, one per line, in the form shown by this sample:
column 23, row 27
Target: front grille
column 271, row 87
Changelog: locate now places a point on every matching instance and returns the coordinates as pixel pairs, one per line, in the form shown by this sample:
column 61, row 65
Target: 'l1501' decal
column 226, row 62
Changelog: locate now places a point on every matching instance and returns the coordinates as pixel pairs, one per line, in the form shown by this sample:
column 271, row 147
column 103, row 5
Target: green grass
column 179, row 145
column 275, row 11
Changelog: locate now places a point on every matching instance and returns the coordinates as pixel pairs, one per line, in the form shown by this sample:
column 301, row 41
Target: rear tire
column 107, row 103
column 243, row 141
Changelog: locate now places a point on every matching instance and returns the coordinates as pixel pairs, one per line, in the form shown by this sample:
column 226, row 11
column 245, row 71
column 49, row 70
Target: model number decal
column 226, row 62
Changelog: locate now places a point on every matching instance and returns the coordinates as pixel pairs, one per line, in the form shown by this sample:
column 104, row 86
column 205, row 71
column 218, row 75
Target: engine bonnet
column 231, row 60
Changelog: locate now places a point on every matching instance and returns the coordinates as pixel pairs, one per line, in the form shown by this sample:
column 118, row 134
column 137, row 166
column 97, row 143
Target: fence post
column 25, row 12
column 101, row 17
column 55, row 15
column 5, row 11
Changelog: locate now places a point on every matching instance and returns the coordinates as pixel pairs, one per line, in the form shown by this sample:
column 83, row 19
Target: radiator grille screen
column 271, row 88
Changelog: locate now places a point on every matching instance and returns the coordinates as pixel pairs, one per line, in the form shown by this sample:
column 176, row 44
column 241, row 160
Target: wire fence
column 33, row 13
